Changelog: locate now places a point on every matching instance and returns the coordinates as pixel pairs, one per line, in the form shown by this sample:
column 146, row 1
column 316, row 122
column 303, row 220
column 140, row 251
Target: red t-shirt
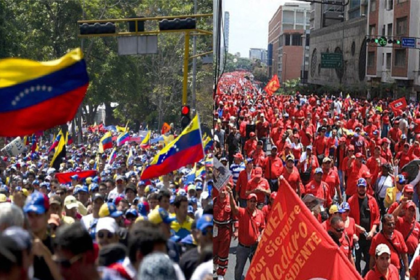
column 319, row 190
column 272, row 167
column 404, row 227
column 397, row 239
column 262, row 184
column 293, row 179
column 353, row 174
column 351, row 229
column 332, row 179
column 415, row 269
column 249, row 226
column 374, row 274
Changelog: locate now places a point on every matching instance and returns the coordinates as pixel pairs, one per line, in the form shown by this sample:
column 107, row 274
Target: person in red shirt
column 318, row 188
column 263, row 130
column 267, row 208
column 355, row 169
column 273, row 167
column 408, row 226
column 392, row 237
column 386, row 151
column 258, row 156
column 370, row 128
column 306, row 134
column 375, row 162
column 383, row 269
column 349, row 223
column 394, row 134
column 400, row 145
column 250, row 144
column 291, row 175
column 307, row 165
column 330, row 177
column 258, row 186
column 242, row 183
column 365, row 211
column 222, row 230
column 338, row 233
column 334, row 211
column 250, row 225
column 321, row 148
column 403, row 157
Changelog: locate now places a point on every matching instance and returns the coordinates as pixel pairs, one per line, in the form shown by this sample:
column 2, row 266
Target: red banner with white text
column 295, row 246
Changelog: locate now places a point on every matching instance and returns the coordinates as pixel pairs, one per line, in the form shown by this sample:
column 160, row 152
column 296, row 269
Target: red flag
column 165, row 128
column 273, row 85
column 295, row 246
column 398, row 105
column 64, row 178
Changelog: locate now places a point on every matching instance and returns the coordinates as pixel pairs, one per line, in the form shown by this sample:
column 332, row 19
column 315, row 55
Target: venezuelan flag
column 122, row 138
column 36, row 96
column 60, row 152
column 105, row 142
column 208, row 143
column 112, row 156
column 55, row 143
column 130, row 158
column 145, row 143
column 187, row 148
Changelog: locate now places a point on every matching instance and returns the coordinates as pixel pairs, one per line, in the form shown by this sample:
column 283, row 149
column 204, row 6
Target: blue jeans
column 242, row 254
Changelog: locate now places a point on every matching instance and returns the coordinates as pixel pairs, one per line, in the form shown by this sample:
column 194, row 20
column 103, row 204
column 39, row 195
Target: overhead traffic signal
column 177, row 24
column 97, row 28
column 185, row 116
column 383, row 41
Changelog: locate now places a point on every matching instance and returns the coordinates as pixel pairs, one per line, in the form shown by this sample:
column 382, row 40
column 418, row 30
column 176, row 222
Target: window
column 388, row 61
column 296, row 40
column 281, row 41
column 371, row 59
column 372, row 6
column 390, row 5
column 389, row 33
column 287, row 39
column 354, row 3
column 401, row 26
column 383, row 30
column 399, row 58
column 372, row 29
column 307, row 40
column 401, row 1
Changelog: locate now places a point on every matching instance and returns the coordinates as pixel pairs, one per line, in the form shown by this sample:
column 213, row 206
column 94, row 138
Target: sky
column 249, row 23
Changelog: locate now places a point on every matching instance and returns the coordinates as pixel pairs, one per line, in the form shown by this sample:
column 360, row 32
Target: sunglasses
column 60, row 193
column 95, row 190
column 67, row 263
column 109, row 235
column 339, row 229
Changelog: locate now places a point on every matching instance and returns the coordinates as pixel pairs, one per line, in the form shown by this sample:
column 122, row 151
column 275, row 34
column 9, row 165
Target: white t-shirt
column 203, row 270
column 383, row 184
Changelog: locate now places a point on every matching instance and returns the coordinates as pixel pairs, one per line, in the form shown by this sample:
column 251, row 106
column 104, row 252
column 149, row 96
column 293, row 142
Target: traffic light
column 177, row 24
column 185, row 116
column 97, row 28
column 382, row 41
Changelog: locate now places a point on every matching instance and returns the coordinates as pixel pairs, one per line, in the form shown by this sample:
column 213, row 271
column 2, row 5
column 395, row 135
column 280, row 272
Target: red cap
column 251, row 134
column 351, row 148
column 258, row 172
column 359, row 155
column 367, row 174
column 408, row 188
column 251, row 195
column 238, row 155
column 386, row 140
column 410, row 204
column 342, row 139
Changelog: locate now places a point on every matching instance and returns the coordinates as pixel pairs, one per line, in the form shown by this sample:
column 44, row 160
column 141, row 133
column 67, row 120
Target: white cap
column 204, row 195
column 70, row 202
column 51, row 170
column 381, row 249
column 107, row 223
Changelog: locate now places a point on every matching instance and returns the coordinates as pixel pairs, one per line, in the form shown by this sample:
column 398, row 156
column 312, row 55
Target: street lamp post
column 342, row 49
column 304, row 53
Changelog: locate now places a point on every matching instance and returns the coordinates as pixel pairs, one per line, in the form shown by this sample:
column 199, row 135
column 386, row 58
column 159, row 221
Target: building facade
column 226, row 30
column 338, row 29
column 391, row 67
column 287, row 40
column 260, row 54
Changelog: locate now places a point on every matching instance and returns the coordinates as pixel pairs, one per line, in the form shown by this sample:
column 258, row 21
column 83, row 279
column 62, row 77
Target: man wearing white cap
column 106, row 231
column 383, row 268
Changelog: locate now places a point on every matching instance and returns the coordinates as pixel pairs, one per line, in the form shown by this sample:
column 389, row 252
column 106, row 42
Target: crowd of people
column 109, row 225
column 351, row 161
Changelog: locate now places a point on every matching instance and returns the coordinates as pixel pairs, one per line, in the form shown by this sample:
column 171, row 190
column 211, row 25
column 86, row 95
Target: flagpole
column 201, row 136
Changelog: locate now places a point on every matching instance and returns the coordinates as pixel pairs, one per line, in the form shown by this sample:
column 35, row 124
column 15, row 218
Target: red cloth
column 374, row 274
column 353, row 174
column 262, row 184
column 273, row 167
column 242, row 183
column 247, row 233
column 404, row 227
column 319, row 190
column 332, row 179
column 397, row 239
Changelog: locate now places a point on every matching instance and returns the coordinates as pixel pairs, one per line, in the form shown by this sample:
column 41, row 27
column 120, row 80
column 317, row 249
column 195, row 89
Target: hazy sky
column 249, row 23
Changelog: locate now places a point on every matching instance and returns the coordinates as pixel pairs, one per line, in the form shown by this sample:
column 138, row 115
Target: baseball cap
column 143, row 208
column 190, row 209
column 93, row 187
column 361, row 182
column 408, row 188
column 359, row 155
column 70, row 202
column 3, row 198
column 238, row 155
column 258, row 172
column 55, row 199
column 251, row 134
column 290, row 157
column 410, row 204
column 21, row 237
column 249, row 160
column 400, row 179
column 223, row 159
column 107, row 223
column 382, row 249
column 37, row 202
column 80, row 188
column 205, row 221
column 109, row 209
column 326, row 159
column 309, row 148
column 131, row 212
column 351, row 148
column 251, row 195
column 54, row 219
column 160, row 215
column 345, row 206
column 333, row 209
column 319, row 170
column 157, row 266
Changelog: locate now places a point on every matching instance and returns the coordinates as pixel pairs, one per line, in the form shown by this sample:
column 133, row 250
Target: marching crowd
column 109, row 225
column 353, row 163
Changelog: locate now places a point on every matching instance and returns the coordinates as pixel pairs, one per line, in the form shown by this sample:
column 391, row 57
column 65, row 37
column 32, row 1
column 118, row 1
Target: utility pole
column 194, row 65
